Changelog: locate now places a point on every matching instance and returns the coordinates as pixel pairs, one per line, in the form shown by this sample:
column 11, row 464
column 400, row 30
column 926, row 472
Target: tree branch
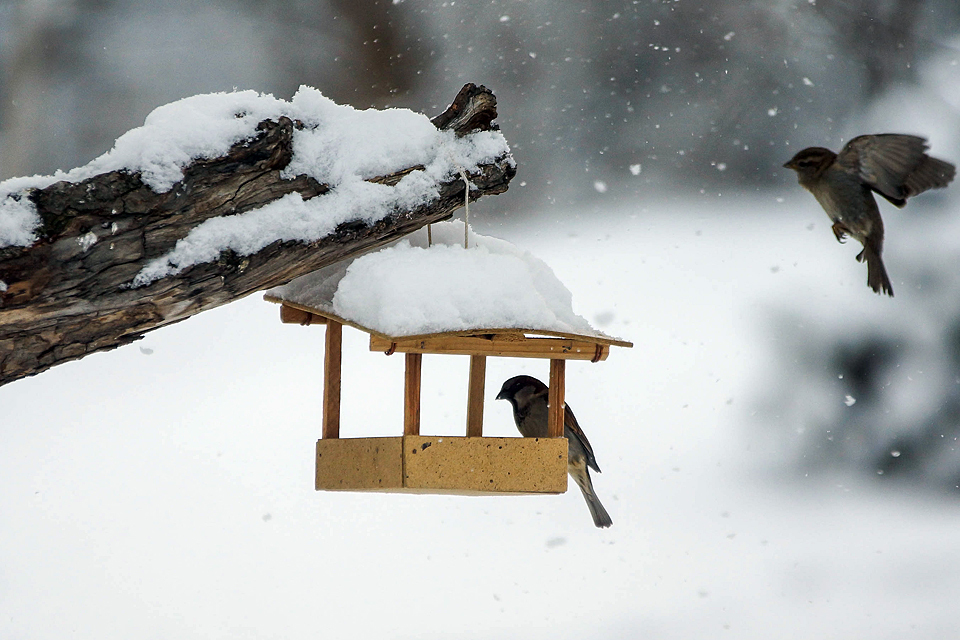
column 68, row 294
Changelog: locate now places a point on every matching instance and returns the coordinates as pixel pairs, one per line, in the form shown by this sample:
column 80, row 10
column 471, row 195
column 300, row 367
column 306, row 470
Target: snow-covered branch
column 216, row 197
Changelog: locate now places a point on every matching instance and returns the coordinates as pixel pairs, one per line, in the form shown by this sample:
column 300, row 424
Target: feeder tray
column 470, row 465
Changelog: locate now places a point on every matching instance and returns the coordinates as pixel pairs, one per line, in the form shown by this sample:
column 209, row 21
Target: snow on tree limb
column 217, row 197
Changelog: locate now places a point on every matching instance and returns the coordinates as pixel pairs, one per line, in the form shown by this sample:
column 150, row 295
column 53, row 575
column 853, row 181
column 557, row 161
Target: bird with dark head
column 893, row 165
column 528, row 397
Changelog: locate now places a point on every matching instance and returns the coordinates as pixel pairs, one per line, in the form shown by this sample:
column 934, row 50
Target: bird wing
column 895, row 165
column 572, row 430
column 931, row 173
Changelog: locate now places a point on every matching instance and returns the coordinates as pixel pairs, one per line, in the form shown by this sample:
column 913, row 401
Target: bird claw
column 840, row 232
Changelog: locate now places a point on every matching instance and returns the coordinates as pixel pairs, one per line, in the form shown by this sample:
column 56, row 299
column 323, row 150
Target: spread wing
column 931, row 173
column 572, row 429
column 895, row 165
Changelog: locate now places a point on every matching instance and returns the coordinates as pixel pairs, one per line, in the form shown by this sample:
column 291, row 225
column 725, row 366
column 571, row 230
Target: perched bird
column 528, row 396
column 891, row 164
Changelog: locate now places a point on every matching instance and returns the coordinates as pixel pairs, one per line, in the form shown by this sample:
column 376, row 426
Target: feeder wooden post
column 331, row 379
column 555, row 399
column 411, row 395
column 478, row 373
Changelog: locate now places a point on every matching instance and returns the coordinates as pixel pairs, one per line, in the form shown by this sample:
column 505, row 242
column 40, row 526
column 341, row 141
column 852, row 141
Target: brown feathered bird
column 894, row 165
column 528, row 397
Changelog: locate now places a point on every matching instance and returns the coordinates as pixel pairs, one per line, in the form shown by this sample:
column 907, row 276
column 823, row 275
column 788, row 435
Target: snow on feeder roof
column 410, row 290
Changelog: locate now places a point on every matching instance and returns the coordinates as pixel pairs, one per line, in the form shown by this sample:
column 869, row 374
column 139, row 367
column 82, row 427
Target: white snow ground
column 164, row 490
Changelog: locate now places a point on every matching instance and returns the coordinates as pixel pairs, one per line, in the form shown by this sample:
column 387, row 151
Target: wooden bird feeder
column 466, row 465
column 463, row 465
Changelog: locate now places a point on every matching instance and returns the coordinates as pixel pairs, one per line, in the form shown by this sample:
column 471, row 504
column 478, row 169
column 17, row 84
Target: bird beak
column 786, row 165
column 500, row 396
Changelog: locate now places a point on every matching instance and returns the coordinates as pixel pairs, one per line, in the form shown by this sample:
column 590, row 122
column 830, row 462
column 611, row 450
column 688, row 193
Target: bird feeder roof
column 410, row 291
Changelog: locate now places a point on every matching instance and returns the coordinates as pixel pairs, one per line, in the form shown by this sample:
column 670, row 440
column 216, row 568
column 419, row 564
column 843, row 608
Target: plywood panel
column 443, row 464
column 484, row 465
column 360, row 464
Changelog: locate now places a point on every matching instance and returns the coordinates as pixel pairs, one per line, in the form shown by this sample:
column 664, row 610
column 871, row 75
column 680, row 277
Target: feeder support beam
column 555, row 399
column 478, row 372
column 411, row 395
column 331, row 379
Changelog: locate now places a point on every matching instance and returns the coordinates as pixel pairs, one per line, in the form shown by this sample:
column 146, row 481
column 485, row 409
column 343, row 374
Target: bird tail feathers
column 877, row 277
column 582, row 477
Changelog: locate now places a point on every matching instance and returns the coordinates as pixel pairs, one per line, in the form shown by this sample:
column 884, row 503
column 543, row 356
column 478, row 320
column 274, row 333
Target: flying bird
column 893, row 165
column 528, row 396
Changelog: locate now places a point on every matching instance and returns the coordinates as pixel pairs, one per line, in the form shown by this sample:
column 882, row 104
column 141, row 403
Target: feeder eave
column 502, row 335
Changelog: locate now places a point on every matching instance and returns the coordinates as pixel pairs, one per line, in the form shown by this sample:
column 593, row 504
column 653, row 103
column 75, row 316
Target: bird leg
column 840, row 232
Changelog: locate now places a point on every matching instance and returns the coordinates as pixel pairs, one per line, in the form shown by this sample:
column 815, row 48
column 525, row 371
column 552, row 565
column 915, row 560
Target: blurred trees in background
column 696, row 95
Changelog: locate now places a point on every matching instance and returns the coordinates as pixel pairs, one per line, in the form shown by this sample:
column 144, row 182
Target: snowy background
column 779, row 448
column 167, row 489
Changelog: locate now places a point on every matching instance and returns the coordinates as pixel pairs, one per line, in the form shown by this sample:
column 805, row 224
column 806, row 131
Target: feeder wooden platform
column 463, row 465
column 443, row 464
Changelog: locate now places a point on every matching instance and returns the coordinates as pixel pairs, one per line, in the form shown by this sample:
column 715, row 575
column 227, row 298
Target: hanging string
column 466, row 207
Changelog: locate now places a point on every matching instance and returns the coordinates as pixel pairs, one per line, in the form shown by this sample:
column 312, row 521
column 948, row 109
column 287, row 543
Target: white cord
column 466, row 206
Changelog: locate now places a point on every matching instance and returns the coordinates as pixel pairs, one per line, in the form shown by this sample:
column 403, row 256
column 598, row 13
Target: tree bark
column 66, row 298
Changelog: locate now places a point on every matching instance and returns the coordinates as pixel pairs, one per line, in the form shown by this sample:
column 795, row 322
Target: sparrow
column 528, row 396
column 893, row 165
